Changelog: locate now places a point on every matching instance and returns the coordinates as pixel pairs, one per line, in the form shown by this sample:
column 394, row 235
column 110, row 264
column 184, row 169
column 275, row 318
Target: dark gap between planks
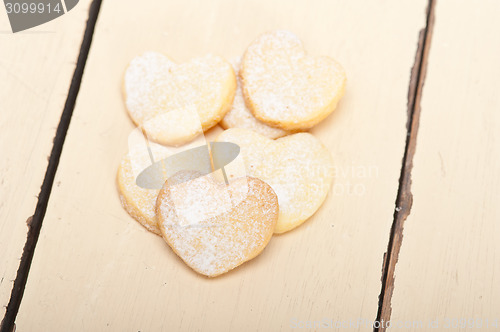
column 404, row 197
column 35, row 222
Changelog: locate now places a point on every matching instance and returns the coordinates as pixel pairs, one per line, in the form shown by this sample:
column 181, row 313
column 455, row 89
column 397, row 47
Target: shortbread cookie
column 144, row 170
column 138, row 202
column 298, row 168
column 174, row 103
column 213, row 227
column 286, row 88
column 240, row 116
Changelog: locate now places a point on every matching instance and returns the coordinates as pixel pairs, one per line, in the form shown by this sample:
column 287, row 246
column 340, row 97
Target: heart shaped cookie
column 240, row 116
column 212, row 227
column 147, row 165
column 174, row 103
column 138, row 202
column 286, row 88
column 298, row 168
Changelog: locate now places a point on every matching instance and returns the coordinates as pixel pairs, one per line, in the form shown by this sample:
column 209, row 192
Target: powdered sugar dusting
column 224, row 239
column 193, row 203
column 285, row 86
column 240, row 116
column 298, row 168
column 155, row 85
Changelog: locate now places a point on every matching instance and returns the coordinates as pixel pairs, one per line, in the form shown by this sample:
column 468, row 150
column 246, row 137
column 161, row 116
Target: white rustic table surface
column 409, row 233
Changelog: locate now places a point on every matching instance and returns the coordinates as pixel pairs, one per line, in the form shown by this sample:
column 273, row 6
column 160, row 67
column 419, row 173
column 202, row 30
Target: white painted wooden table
column 417, row 136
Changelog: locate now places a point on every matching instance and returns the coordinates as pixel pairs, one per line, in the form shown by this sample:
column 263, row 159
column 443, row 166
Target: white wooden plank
column 36, row 67
column 448, row 272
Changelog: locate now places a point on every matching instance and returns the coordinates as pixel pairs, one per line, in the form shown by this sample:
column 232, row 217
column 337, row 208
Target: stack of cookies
column 265, row 102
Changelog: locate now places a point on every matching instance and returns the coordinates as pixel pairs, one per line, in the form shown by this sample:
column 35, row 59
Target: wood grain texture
column 448, row 267
column 97, row 269
column 404, row 198
column 36, row 67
